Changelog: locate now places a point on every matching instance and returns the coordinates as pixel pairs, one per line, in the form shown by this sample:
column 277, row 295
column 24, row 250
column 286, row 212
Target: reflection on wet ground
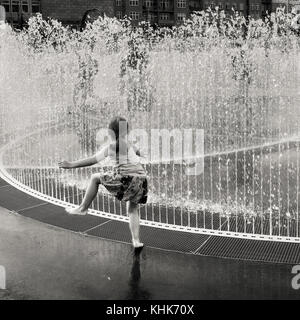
column 135, row 288
column 44, row 262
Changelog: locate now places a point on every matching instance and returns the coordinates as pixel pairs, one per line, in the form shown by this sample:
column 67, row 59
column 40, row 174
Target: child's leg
column 134, row 224
column 90, row 195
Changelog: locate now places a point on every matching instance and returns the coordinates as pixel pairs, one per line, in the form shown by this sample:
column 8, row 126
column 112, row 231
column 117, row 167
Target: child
column 127, row 182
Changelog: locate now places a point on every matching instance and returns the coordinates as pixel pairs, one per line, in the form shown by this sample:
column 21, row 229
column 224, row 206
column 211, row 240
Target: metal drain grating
column 13, row 199
column 152, row 237
column 3, row 183
column 246, row 249
column 56, row 216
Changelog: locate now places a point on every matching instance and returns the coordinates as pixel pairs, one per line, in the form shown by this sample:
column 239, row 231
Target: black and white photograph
column 149, row 153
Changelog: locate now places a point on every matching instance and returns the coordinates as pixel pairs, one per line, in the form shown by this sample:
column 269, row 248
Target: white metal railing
column 245, row 219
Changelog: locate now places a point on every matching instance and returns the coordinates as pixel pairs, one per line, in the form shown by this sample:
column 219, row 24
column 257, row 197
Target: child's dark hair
column 117, row 124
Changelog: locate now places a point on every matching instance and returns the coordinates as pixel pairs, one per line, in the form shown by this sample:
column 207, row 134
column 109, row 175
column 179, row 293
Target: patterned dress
column 128, row 180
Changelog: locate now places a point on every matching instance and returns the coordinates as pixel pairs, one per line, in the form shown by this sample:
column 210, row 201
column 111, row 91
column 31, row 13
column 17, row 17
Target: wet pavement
column 45, row 262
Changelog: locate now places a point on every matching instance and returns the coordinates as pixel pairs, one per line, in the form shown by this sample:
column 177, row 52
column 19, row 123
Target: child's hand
column 65, row 165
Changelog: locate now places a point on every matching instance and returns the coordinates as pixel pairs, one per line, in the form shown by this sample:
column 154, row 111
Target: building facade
column 72, row 11
column 170, row 12
column 17, row 10
column 67, row 11
column 254, row 8
column 289, row 5
column 162, row 12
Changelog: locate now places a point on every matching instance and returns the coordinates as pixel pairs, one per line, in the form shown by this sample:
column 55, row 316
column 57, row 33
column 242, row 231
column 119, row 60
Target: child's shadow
column 136, row 292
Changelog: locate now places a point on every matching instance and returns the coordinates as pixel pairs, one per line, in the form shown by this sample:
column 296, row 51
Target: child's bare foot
column 76, row 211
column 137, row 244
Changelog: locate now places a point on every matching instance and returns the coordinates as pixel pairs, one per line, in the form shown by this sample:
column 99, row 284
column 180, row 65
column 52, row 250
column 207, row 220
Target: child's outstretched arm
column 78, row 164
column 101, row 155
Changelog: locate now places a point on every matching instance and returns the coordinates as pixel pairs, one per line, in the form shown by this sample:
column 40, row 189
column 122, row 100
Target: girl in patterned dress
column 127, row 181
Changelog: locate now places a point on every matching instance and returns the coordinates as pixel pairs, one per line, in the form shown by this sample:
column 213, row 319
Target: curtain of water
column 53, row 103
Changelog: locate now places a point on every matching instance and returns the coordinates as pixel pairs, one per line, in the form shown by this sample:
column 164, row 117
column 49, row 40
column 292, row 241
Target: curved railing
column 244, row 217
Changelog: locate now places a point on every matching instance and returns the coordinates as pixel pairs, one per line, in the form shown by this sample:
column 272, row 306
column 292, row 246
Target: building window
column 234, row 6
column 149, row 3
column 150, row 16
column 15, row 6
column 164, row 4
column 220, row 5
column 181, row 3
column 164, row 16
column 119, row 14
column 133, row 3
column 227, row 6
column 6, row 5
column 25, row 6
column 255, row 7
column 134, row 15
column 36, row 6
column 181, row 16
column 241, row 7
column 118, row 3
